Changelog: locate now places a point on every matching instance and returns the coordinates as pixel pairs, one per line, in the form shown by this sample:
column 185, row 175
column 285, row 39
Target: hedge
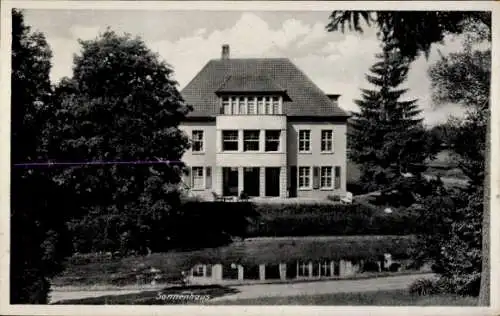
column 330, row 220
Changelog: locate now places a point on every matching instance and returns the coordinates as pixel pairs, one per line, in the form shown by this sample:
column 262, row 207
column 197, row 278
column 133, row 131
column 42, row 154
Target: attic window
column 251, row 105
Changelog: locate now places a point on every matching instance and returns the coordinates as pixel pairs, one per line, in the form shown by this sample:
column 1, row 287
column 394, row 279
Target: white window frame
column 303, row 269
column 234, row 105
column 193, row 176
column 322, row 175
column 268, row 101
column 231, row 140
column 276, row 105
column 226, row 105
column 202, row 140
column 324, row 267
column 304, row 141
column 308, row 177
column 253, row 101
column 266, row 140
column 252, row 140
column 242, row 108
column 199, row 273
column 325, row 140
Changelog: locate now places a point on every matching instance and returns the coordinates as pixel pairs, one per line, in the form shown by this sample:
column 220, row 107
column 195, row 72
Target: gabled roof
column 304, row 98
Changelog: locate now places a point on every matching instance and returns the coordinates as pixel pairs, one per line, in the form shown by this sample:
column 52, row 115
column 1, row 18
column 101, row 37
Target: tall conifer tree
column 386, row 136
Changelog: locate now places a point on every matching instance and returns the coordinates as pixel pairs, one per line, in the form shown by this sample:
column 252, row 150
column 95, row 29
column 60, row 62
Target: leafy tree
column 387, row 137
column 414, row 33
column 121, row 105
column 38, row 232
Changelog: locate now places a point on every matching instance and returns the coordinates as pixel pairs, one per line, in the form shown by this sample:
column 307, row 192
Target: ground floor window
column 326, row 269
column 304, row 177
column 198, row 180
column 303, row 269
column 199, row 270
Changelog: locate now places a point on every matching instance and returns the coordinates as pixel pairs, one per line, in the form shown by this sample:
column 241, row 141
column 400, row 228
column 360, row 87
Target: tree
column 414, row 32
column 38, row 232
column 387, row 137
column 452, row 78
column 121, row 105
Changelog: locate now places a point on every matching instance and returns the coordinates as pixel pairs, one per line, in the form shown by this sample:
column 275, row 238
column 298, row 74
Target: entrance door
column 251, row 181
column 293, row 181
column 273, row 181
column 230, row 181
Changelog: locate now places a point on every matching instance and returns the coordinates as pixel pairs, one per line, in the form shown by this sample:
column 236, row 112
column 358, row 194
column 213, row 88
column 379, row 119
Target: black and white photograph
column 248, row 154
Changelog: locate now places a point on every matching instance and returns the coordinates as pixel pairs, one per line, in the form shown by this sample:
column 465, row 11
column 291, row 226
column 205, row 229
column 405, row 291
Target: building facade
column 262, row 127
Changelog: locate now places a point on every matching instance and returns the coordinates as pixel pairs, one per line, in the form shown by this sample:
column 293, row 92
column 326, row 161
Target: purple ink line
column 50, row 164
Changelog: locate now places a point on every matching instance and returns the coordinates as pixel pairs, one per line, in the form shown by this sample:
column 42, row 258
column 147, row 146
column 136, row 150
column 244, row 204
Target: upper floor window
column 251, row 105
column 197, row 139
column 230, row 140
column 251, row 140
column 327, row 140
column 273, row 140
column 304, row 140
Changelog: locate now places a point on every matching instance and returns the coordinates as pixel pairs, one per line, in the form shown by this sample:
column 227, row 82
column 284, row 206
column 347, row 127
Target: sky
column 187, row 40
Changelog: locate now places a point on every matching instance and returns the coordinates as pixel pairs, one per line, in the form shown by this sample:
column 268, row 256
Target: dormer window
column 252, row 105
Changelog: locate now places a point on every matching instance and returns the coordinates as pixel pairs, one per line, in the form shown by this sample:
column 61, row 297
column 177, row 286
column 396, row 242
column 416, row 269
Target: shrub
column 328, row 219
column 370, row 266
column 423, row 287
column 334, row 198
column 394, row 267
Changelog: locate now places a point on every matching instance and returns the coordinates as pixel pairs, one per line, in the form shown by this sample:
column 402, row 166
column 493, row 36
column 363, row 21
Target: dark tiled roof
column 249, row 83
column 305, row 98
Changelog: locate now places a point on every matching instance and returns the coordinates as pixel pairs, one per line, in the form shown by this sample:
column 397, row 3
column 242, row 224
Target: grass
column 380, row 298
column 122, row 271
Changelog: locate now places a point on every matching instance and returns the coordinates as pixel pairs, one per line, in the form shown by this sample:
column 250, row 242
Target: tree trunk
column 484, row 292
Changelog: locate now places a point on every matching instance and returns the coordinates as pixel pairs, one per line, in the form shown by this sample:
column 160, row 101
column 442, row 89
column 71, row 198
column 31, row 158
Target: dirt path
column 326, row 287
column 270, row 290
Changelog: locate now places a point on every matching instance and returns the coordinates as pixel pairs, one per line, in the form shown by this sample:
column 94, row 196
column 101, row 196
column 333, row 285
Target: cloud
column 336, row 62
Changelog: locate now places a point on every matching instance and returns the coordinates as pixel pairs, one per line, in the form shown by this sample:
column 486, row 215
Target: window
column 304, row 140
column 242, row 105
column 273, row 140
column 304, row 177
column 208, row 178
column 303, row 269
column 337, row 177
column 252, row 106
column 229, row 140
column 276, row 105
column 198, row 180
column 226, row 106
column 269, row 105
column 326, row 177
column 251, row 140
column 197, row 141
column 234, row 105
column 260, row 105
column 327, row 140
column 326, row 269
column 199, row 270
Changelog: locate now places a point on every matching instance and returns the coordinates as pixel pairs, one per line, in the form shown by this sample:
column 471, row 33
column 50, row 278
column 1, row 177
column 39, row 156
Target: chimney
column 334, row 98
column 225, row 51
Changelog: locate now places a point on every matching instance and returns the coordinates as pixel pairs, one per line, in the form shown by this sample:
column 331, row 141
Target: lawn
column 100, row 270
column 380, row 298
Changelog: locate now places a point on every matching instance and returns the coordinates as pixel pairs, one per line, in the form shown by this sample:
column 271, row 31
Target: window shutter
column 333, row 141
column 208, row 178
column 337, row 177
column 316, row 178
column 187, row 177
